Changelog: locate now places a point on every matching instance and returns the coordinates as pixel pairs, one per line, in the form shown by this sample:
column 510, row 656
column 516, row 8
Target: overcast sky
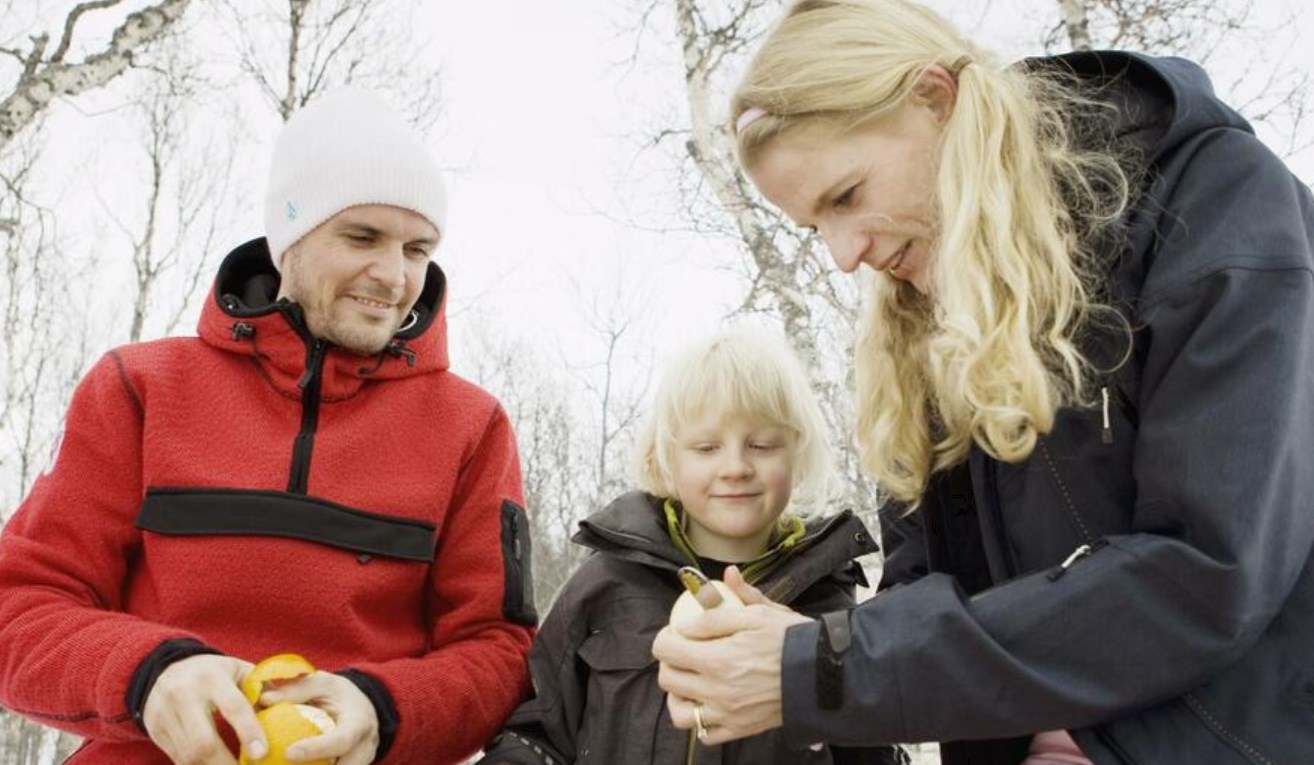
column 545, row 114
column 554, row 206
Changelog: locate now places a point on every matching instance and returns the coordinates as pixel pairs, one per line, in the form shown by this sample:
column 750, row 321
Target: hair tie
column 960, row 64
column 750, row 115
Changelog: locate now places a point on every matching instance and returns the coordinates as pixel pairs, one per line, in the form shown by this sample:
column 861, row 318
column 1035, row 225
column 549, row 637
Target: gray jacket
column 596, row 698
column 1146, row 585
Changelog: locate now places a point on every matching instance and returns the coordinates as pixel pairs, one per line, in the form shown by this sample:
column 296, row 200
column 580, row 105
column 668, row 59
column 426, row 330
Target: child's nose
column 737, row 463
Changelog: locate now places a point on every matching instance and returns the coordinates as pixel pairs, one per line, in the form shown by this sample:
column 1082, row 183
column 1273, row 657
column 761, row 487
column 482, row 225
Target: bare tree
column 575, row 413
column 42, row 355
column 185, row 195
column 787, row 269
column 616, row 402
column 1253, row 54
column 300, row 48
column 555, row 469
column 47, row 76
column 785, row 273
column 189, row 165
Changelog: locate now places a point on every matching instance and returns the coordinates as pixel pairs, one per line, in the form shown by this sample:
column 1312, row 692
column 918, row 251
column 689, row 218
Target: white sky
column 545, row 112
column 542, row 122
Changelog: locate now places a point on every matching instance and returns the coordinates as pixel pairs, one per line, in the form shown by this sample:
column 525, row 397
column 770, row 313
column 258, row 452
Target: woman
column 1086, row 382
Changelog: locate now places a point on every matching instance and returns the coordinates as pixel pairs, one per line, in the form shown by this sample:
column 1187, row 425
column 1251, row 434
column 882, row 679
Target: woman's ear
column 937, row 90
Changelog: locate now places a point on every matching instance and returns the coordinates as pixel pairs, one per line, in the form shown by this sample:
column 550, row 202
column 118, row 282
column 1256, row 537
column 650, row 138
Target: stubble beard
column 327, row 322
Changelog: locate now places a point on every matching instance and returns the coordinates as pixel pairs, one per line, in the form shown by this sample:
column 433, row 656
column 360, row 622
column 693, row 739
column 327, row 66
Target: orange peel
column 273, row 671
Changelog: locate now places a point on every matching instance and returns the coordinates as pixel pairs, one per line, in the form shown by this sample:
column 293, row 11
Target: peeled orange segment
column 286, row 724
column 277, row 669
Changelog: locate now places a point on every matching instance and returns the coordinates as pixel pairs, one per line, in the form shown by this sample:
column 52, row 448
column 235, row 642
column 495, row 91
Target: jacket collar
column 243, row 316
column 633, row 528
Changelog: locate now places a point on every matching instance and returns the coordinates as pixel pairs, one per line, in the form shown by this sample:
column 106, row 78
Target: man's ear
column 937, row 89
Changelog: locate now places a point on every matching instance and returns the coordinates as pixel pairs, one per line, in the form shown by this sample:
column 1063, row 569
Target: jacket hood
column 244, row 316
column 633, row 528
column 1164, row 100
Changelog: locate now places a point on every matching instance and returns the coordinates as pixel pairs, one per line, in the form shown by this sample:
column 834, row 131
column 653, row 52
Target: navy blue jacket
column 1146, row 585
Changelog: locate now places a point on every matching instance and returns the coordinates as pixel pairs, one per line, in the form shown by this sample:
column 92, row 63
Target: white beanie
column 344, row 149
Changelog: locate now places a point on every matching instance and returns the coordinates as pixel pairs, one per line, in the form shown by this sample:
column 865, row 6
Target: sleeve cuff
column 384, row 708
column 144, row 677
column 798, row 685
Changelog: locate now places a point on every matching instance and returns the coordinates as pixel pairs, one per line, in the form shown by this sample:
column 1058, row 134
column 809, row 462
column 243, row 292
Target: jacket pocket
column 266, row 566
column 625, row 708
column 517, row 564
column 204, row 512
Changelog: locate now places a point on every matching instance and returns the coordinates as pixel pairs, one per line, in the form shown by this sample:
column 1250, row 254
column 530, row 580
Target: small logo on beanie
column 292, row 212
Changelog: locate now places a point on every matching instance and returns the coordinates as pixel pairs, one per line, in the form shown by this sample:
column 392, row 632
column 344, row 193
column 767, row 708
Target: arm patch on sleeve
column 517, row 564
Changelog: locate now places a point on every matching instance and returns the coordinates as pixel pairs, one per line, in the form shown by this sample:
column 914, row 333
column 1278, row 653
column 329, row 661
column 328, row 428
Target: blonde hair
column 990, row 357
column 746, row 372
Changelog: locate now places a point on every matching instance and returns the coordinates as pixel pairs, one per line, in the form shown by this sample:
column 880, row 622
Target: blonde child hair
column 741, row 371
column 993, row 352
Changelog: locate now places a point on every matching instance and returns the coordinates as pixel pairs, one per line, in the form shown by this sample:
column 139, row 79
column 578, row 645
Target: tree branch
column 34, row 92
column 72, row 20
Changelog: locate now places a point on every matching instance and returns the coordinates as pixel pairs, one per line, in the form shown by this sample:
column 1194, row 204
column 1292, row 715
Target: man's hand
column 727, row 660
column 355, row 738
column 179, row 713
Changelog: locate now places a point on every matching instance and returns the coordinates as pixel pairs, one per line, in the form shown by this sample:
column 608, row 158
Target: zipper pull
column 312, row 368
column 1106, row 437
column 1077, row 554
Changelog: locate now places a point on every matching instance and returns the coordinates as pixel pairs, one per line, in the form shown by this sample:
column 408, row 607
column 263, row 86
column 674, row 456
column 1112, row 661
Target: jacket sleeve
column 542, row 730
column 450, row 700
column 1219, row 534
column 67, row 653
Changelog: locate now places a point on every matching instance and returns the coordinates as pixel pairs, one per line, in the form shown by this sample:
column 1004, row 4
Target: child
column 734, row 462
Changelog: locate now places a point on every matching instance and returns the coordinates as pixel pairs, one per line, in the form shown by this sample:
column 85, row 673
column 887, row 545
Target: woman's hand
column 727, row 660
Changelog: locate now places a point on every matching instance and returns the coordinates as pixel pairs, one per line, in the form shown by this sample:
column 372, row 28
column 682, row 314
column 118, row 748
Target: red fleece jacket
column 172, row 511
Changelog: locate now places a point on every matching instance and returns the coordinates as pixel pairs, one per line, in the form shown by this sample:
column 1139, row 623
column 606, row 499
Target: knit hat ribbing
column 345, row 149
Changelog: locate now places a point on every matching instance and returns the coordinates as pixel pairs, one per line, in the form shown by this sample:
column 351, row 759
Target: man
column 306, row 476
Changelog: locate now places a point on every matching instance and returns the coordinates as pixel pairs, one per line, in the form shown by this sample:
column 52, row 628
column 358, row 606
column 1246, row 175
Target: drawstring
column 398, row 348
column 395, row 349
column 1106, row 437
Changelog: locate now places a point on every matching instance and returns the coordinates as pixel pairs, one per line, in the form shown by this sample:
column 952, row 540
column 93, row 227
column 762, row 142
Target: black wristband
column 144, row 677
column 833, row 639
column 384, row 708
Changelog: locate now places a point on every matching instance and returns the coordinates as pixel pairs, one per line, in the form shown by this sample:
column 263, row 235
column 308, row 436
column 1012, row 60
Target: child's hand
column 750, row 595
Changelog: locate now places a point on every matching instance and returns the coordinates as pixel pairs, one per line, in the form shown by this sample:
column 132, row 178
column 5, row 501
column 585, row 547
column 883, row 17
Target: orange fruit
column 286, row 724
column 276, row 670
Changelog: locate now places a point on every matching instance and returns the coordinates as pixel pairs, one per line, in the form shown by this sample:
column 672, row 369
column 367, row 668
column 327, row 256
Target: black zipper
column 309, row 383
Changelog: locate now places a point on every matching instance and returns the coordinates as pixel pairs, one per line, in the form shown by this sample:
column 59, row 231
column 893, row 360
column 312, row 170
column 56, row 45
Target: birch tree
column 161, row 222
column 45, row 74
column 787, row 270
